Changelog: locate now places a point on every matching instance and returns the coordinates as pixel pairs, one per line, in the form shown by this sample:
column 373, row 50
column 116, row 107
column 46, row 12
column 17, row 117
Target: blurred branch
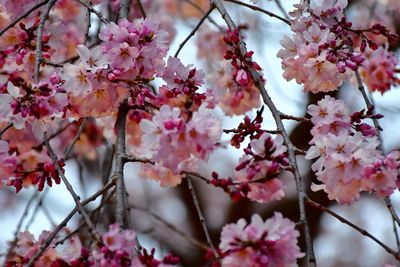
column 352, row 225
column 139, row 3
column 172, row 227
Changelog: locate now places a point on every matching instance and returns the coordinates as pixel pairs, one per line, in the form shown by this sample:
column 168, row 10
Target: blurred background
column 155, row 209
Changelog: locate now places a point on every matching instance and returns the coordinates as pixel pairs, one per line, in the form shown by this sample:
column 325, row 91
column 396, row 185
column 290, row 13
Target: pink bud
column 242, row 78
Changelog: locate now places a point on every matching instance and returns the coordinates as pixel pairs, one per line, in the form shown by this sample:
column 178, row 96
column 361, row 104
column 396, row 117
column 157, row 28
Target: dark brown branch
column 5, row 129
column 26, row 14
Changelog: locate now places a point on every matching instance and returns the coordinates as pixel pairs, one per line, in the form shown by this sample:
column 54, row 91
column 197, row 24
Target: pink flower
column 270, row 243
column 241, row 77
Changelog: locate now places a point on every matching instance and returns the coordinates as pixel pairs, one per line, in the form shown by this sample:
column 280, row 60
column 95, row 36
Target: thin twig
column 26, row 14
column 291, row 149
column 256, row 8
column 92, row 214
column 76, row 198
column 88, row 24
column 293, row 118
column 53, row 234
column 172, row 227
column 39, row 40
column 70, row 148
column 202, row 220
column 93, row 10
column 192, row 33
column 279, row 4
column 352, row 225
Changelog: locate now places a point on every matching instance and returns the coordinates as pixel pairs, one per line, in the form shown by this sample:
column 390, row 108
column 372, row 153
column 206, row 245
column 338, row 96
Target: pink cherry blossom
column 259, row 243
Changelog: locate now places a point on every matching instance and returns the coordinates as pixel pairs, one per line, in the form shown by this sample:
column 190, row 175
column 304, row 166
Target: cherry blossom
column 259, row 243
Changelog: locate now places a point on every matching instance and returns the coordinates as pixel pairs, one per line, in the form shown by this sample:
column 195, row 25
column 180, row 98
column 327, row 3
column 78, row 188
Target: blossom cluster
column 117, row 249
column 259, row 173
column 233, row 86
column 348, row 160
column 259, row 243
column 325, row 51
column 183, row 130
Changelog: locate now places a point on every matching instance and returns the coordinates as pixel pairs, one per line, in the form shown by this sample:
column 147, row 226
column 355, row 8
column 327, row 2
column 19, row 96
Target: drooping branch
column 278, row 120
column 76, row 198
column 201, row 218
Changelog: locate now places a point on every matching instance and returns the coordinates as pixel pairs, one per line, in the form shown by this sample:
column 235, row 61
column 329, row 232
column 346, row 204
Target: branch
column 26, row 14
column 39, row 41
column 53, row 234
column 76, row 198
column 202, row 220
column 277, row 117
column 352, row 225
column 192, row 33
column 119, row 163
column 279, row 4
column 124, row 9
column 94, row 11
column 96, row 210
column 388, row 203
column 256, row 8
column 2, row 131
column 172, row 227
column 70, row 148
